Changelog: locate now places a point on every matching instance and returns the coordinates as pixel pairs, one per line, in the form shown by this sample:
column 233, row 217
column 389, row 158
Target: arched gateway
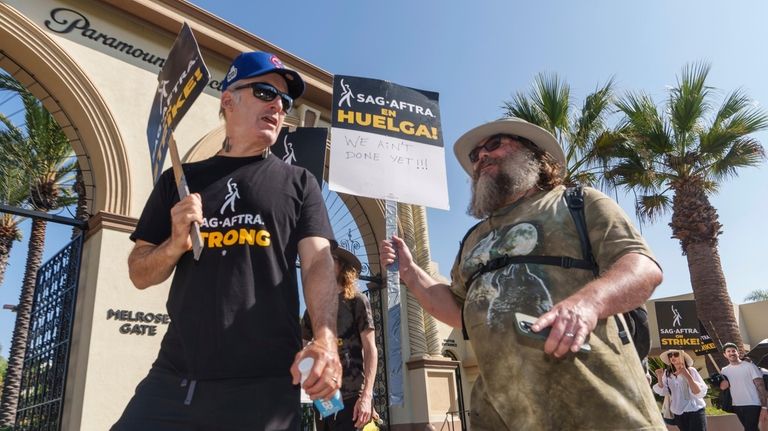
column 94, row 67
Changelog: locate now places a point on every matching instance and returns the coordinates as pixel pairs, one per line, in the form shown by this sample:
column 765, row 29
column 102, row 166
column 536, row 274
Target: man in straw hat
column 686, row 390
column 229, row 359
column 750, row 398
column 357, row 347
column 525, row 382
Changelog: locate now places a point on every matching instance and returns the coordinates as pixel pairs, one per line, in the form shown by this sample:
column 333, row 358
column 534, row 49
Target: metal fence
column 44, row 374
column 380, row 392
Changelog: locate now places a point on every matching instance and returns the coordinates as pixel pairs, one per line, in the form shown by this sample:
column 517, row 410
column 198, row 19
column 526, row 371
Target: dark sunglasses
column 674, row 354
column 491, row 145
column 267, row 93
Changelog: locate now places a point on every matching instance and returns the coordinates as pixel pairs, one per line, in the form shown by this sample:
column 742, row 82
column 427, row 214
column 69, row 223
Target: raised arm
column 319, row 282
column 436, row 298
column 627, row 284
column 150, row 264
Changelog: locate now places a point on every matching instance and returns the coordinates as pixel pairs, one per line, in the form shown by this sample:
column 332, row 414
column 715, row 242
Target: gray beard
column 518, row 173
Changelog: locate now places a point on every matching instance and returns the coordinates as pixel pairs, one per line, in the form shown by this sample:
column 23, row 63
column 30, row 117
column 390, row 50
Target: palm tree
column 757, row 295
column 44, row 153
column 13, row 191
column 584, row 136
column 674, row 158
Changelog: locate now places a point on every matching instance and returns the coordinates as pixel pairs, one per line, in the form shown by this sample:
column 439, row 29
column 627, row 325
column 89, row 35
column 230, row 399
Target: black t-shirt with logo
column 235, row 312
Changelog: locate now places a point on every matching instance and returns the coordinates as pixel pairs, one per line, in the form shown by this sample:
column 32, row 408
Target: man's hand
column 572, row 320
column 395, row 249
column 183, row 214
column 362, row 413
column 150, row 264
column 325, row 377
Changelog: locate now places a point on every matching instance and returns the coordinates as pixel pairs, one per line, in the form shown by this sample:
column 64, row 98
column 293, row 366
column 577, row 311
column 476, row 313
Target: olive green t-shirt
column 519, row 386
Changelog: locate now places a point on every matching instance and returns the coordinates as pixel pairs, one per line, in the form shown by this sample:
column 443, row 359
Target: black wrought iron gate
column 44, row 374
column 380, row 393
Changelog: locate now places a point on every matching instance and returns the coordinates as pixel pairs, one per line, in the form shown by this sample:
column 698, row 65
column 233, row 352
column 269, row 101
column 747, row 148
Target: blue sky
column 478, row 54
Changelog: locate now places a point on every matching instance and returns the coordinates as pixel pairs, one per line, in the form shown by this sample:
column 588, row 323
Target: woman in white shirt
column 686, row 389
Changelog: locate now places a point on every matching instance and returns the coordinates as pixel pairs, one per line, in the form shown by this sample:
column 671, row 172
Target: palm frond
column 551, row 95
column 521, row 107
column 744, row 152
column 652, row 207
column 593, row 115
column 757, row 295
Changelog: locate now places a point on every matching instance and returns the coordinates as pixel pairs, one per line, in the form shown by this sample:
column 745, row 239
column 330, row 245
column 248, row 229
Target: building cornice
column 432, row 363
column 223, row 39
column 105, row 220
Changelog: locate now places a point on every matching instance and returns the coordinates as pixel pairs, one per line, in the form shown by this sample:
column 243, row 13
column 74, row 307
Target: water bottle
column 324, row 407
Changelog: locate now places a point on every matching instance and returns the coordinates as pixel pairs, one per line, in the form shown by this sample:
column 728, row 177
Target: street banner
column 678, row 325
column 707, row 343
column 386, row 143
column 183, row 77
column 303, row 147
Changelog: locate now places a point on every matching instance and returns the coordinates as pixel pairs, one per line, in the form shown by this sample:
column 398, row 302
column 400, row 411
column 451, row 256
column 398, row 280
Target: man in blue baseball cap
column 229, row 358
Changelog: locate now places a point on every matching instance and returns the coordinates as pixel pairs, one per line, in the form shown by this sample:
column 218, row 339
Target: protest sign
column 303, row 147
column 182, row 79
column 678, row 325
column 386, row 143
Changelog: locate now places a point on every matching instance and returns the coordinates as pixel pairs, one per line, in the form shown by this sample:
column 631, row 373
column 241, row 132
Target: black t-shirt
column 353, row 318
column 235, row 312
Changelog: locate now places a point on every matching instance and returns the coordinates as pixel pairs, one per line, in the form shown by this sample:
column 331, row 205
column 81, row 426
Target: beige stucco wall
column 753, row 321
column 105, row 364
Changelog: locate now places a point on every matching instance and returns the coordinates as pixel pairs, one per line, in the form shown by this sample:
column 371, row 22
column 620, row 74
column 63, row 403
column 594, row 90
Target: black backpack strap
column 502, row 261
column 458, row 258
column 574, row 198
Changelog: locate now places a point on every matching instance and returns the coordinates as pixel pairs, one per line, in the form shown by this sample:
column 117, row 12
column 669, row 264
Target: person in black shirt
column 357, row 348
column 229, row 360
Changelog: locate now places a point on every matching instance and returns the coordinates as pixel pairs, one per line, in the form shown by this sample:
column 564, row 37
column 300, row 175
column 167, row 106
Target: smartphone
column 524, row 324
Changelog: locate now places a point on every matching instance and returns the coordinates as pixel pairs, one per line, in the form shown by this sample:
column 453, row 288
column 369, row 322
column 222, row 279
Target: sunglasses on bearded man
column 492, row 144
column 268, row 93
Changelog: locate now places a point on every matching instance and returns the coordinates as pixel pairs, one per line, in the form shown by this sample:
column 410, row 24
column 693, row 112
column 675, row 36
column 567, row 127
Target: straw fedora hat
column 665, row 357
column 348, row 257
column 506, row 126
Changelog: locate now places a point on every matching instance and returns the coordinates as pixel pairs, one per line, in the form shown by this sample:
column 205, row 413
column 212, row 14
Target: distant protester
column 686, row 389
column 747, row 389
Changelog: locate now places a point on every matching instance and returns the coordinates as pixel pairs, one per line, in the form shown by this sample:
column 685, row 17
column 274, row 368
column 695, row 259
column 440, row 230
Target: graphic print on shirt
column 510, row 289
column 244, row 228
column 232, row 196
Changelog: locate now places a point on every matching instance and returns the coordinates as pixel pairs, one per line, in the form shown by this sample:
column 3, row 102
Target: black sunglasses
column 492, row 144
column 267, row 93
column 674, row 354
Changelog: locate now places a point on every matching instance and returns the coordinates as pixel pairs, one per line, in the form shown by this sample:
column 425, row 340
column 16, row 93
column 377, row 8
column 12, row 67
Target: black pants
column 692, row 421
column 166, row 402
column 341, row 421
column 749, row 416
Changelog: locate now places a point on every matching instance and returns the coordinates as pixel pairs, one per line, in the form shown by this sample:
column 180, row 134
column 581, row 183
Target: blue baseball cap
column 250, row 64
